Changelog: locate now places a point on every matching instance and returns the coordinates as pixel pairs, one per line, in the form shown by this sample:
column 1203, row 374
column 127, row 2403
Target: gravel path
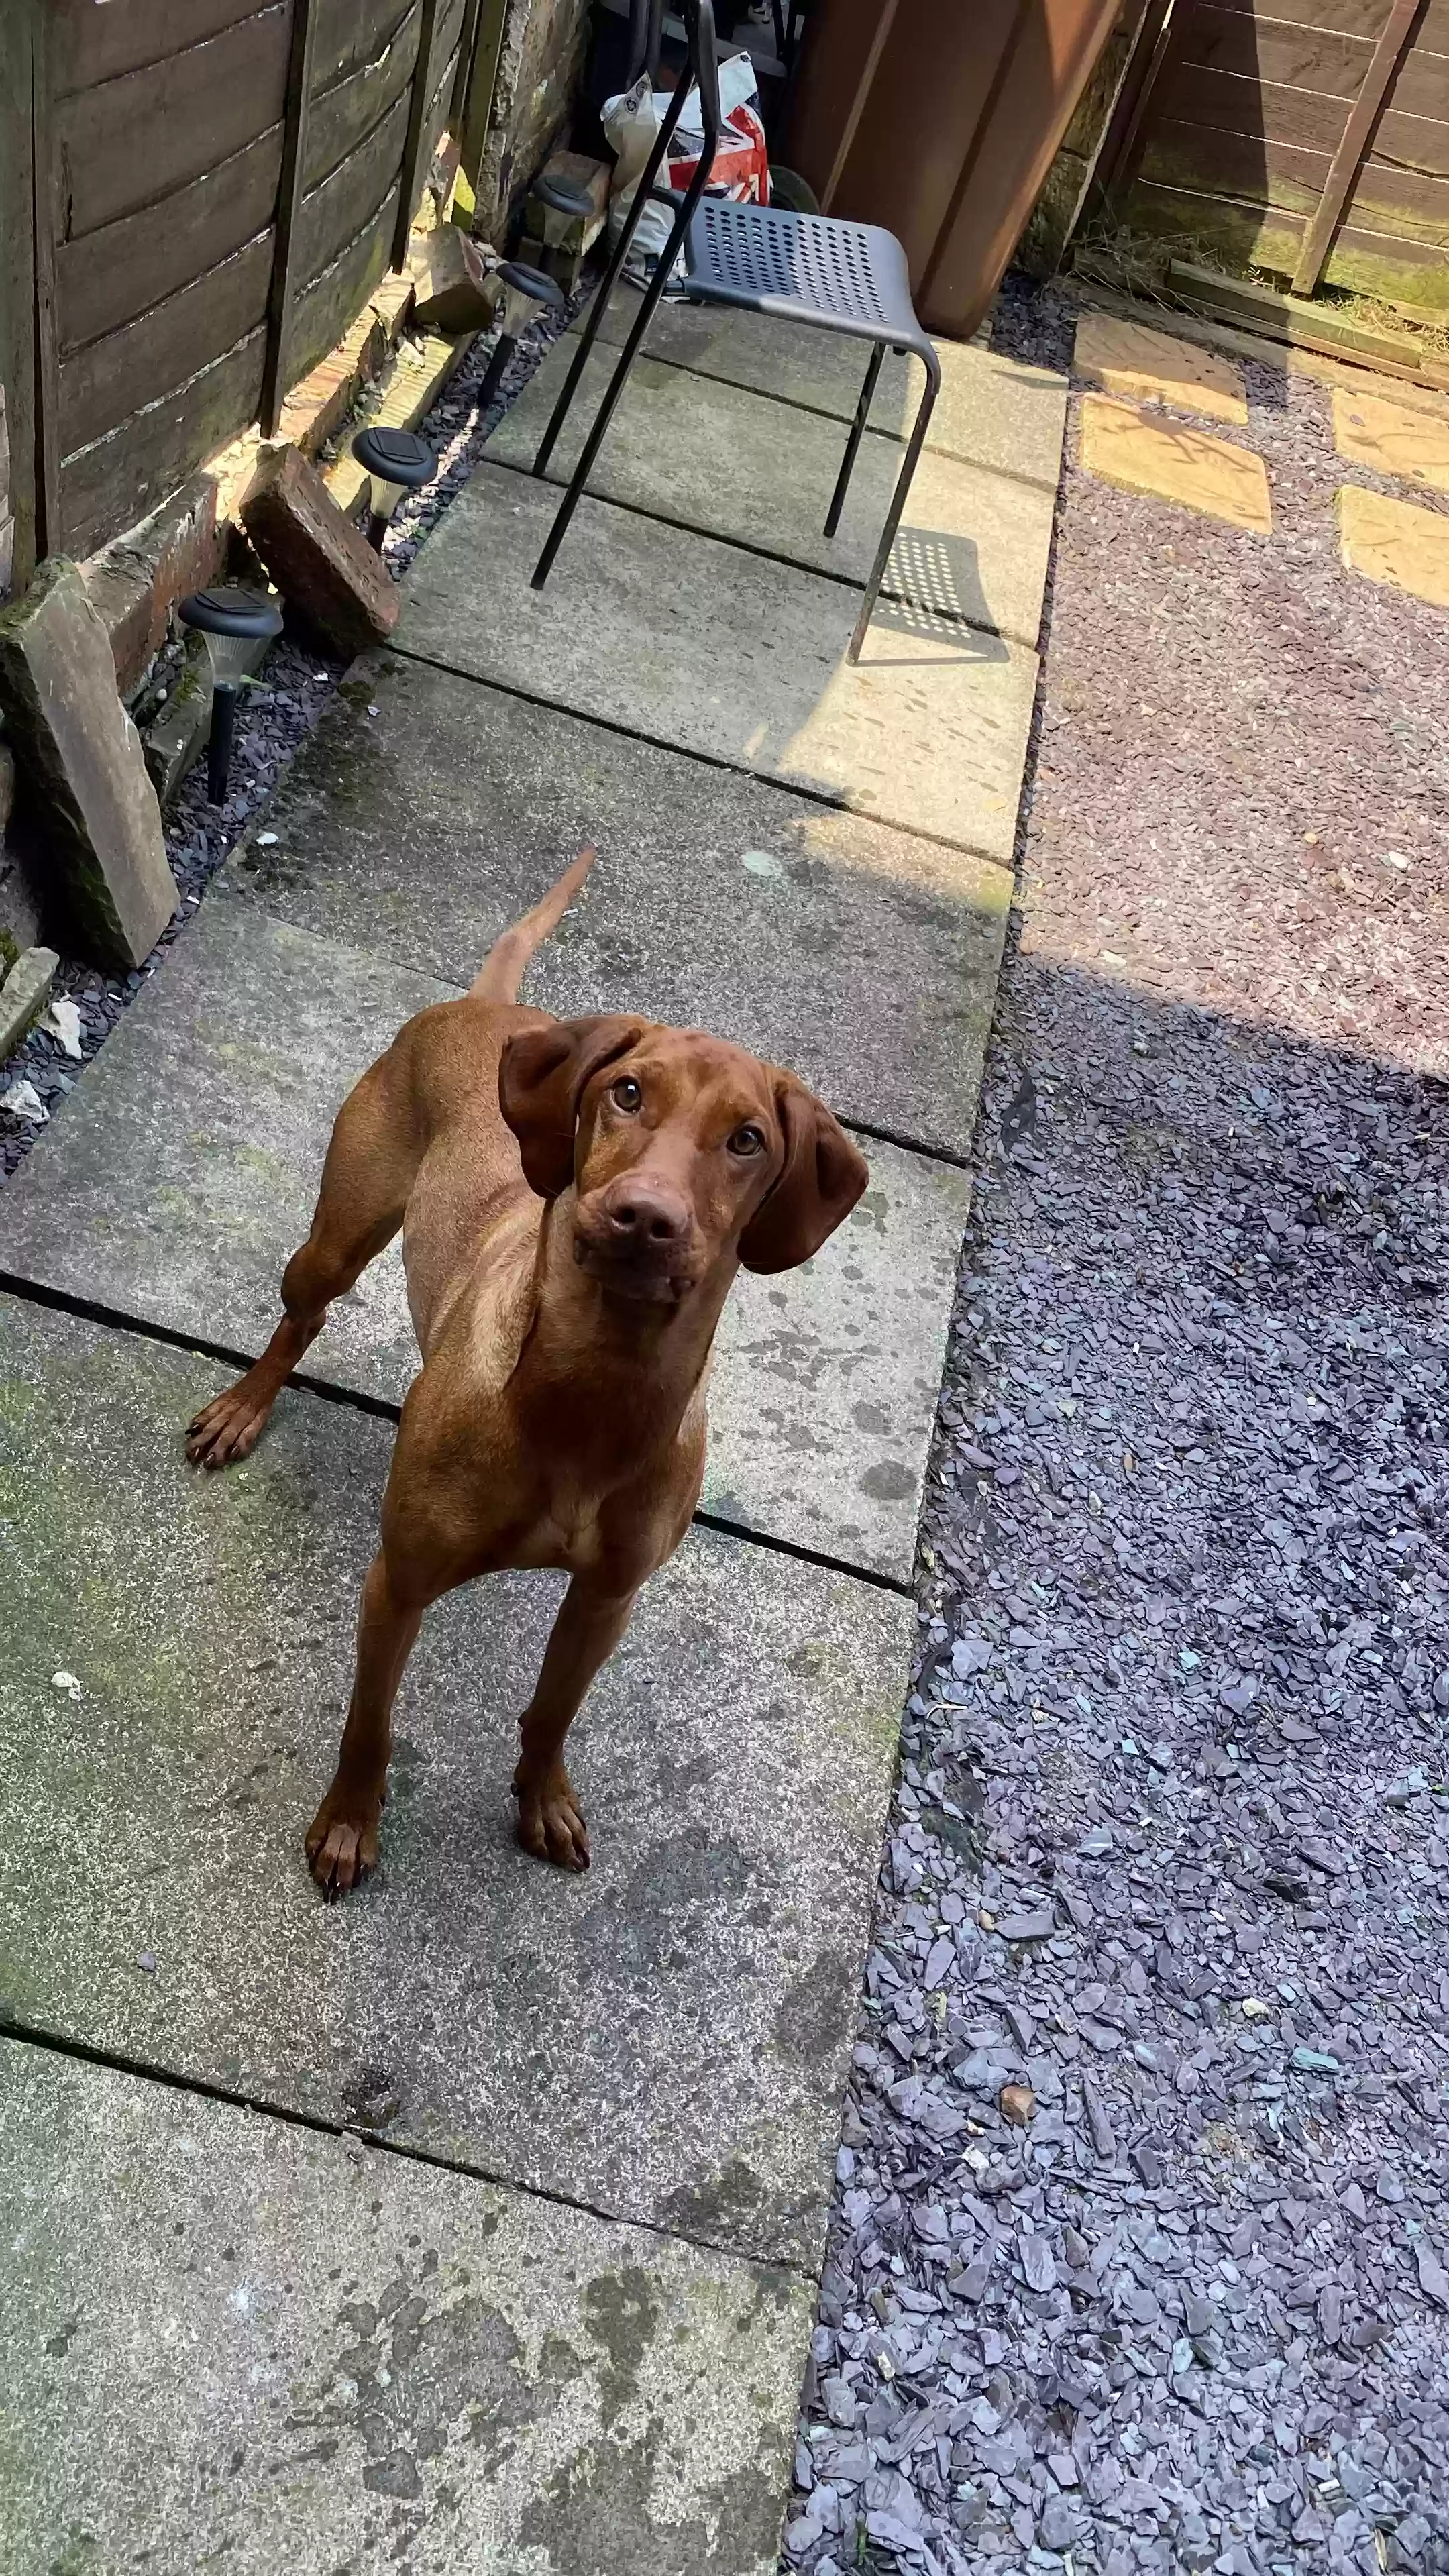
column 1141, row 2256
column 274, row 719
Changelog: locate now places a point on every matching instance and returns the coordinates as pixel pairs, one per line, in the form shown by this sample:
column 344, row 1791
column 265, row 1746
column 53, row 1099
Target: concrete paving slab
column 1143, row 365
column 1392, row 439
column 663, row 2040
column 182, row 1172
column 700, row 646
column 990, row 411
column 1395, row 542
column 234, row 2342
column 865, row 959
column 1174, row 463
column 708, row 455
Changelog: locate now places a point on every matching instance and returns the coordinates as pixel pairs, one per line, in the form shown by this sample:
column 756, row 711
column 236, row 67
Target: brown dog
column 575, row 1197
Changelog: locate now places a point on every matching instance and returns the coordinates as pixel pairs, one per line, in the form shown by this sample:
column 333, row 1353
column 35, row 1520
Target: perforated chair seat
column 822, row 269
column 846, row 277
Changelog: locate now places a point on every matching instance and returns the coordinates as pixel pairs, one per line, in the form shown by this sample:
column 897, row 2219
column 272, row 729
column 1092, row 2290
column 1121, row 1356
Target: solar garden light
column 230, row 621
column 526, row 292
column 398, row 461
column 564, row 197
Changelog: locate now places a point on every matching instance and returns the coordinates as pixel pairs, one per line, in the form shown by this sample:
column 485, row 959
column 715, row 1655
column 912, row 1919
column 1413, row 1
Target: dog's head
column 682, row 1152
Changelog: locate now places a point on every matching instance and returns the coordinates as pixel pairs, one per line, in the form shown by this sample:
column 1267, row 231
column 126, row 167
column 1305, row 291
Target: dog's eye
column 626, row 1093
column 746, row 1141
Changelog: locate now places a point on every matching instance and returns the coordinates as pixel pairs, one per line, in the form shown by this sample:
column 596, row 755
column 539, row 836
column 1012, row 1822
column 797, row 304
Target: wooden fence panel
column 91, row 44
column 112, row 275
column 1345, row 17
column 108, row 486
column 184, row 290
column 128, row 142
column 1254, row 120
column 119, row 375
column 352, row 33
column 343, row 116
column 348, row 199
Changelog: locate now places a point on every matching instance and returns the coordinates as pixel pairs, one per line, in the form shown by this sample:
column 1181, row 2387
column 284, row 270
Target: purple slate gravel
column 1171, row 1833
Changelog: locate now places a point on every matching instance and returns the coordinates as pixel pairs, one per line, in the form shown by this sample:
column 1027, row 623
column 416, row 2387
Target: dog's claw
column 551, row 1824
column 342, row 1843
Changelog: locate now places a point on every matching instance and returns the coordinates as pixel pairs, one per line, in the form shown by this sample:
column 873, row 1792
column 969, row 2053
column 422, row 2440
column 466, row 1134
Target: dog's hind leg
column 371, row 1161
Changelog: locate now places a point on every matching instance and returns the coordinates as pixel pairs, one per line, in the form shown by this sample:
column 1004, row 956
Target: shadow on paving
column 1170, row 1844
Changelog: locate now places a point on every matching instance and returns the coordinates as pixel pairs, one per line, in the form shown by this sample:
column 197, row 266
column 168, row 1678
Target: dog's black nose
column 640, row 1213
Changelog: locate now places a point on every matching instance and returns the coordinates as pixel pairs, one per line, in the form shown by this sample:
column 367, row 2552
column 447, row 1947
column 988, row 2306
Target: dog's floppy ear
column 542, row 1076
column 821, row 1178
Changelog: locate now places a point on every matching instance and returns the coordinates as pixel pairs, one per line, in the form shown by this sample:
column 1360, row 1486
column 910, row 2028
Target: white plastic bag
column 631, row 130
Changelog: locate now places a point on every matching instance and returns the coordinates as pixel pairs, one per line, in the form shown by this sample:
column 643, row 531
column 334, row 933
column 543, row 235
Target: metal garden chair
column 818, row 269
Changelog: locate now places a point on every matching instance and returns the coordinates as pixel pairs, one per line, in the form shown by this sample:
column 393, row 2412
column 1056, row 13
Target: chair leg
column 898, row 503
column 607, row 283
column 852, row 444
column 678, row 233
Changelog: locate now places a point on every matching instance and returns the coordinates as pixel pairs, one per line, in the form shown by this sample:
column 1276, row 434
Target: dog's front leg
column 342, row 1839
column 589, row 1625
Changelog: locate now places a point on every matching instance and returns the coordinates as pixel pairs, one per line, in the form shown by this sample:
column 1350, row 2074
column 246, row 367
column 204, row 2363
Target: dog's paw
column 342, row 1841
column 228, row 1428
column 550, row 1820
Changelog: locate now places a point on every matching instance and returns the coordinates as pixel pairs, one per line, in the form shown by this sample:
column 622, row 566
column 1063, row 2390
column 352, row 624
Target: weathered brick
column 454, row 289
column 324, row 568
column 134, row 583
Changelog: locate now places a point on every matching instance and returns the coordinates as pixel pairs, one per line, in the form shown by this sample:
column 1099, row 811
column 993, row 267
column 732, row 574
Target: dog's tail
column 501, row 972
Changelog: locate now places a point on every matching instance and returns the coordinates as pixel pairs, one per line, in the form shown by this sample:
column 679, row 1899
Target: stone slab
column 1129, row 358
column 697, row 645
column 427, row 812
column 234, row 2342
column 708, row 455
column 181, row 1174
column 1175, row 463
column 80, row 757
column 663, row 2040
column 1395, row 542
column 1370, row 430
column 990, row 411
column 24, row 992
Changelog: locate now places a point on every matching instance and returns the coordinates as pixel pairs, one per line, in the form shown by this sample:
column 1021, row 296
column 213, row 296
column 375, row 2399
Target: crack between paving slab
column 708, row 759
column 816, row 411
column 907, row 1144
column 766, row 554
column 59, row 2044
column 90, row 1310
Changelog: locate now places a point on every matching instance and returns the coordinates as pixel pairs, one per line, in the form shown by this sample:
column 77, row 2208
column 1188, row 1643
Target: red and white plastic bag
column 741, row 168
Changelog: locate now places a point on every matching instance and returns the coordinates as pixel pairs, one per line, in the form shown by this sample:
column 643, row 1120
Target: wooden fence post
column 48, row 530
column 17, row 301
column 467, row 40
column 477, row 107
column 289, row 199
column 1354, row 143
column 417, row 120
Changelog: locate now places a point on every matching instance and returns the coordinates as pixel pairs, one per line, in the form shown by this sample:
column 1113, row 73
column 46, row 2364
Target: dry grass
column 1136, row 262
